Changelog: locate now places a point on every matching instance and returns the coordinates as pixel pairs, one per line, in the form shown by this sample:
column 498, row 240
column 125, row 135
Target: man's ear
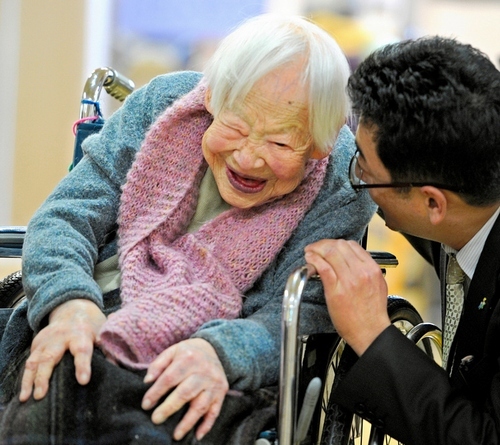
column 436, row 203
column 208, row 98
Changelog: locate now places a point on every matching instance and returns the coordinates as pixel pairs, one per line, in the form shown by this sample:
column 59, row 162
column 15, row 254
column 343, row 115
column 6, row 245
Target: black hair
column 434, row 106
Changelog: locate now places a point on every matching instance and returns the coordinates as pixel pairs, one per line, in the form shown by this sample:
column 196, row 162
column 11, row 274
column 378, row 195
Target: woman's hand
column 73, row 326
column 194, row 372
column 355, row 290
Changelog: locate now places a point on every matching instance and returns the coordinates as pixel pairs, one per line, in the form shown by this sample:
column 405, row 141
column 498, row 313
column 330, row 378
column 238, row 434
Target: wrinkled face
column 258, row 149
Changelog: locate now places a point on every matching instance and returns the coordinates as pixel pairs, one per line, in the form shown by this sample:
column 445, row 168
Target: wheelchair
column 310, row 366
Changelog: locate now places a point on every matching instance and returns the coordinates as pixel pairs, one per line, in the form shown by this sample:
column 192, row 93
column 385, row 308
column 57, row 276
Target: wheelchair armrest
column 384, row 259
column 11, row 241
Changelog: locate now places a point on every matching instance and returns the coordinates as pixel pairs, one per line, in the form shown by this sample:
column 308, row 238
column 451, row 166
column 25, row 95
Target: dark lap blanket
column 108, row 411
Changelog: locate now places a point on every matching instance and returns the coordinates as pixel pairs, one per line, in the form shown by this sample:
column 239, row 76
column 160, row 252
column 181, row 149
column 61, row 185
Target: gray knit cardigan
column 70, row 233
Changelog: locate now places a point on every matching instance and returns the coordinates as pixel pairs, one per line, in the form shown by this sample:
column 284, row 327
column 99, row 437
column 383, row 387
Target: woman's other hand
column 194, row 373
column 73, row 326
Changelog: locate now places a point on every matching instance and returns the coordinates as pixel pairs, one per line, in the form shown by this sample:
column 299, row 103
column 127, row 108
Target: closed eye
column 281, row 144
column 234, row 132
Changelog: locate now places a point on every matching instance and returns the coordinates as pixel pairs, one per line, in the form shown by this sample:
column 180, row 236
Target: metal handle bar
column 115, row 84
column 427, row 330
column 289, row 364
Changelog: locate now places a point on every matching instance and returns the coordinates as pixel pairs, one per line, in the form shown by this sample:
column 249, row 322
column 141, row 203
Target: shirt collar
column 468, row 256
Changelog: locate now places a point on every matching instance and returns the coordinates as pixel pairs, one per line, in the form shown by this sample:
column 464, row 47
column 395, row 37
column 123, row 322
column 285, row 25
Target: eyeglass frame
column 357, row 184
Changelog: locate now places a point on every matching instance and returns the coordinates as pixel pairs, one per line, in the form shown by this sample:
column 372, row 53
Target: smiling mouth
column 245, row 184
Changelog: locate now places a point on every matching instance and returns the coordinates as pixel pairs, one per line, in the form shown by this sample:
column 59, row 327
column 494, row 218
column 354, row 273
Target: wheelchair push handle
column 115, row 84
column 118, row 86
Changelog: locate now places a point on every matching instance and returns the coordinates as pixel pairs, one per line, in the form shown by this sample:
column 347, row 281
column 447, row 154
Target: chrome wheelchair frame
column 293, row 428
column 339, row 427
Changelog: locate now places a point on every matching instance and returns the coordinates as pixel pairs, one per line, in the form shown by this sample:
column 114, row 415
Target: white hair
column 267, row 42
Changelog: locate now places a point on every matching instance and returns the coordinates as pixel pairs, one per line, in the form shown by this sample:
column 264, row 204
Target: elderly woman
column 217, row 182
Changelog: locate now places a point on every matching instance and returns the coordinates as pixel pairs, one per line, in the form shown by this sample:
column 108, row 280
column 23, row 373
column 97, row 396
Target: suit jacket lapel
column 481, row 299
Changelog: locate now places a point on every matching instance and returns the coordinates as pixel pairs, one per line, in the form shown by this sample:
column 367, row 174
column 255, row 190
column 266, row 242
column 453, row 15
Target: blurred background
column 49, row 47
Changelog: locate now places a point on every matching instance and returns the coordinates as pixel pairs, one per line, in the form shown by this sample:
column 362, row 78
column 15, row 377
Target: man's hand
column 355, row 290
column 73, row 326
column 194, row 373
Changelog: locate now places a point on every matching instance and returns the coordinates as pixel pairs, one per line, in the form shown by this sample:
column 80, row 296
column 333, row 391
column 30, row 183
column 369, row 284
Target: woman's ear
column 319, row 154
column 208, row 98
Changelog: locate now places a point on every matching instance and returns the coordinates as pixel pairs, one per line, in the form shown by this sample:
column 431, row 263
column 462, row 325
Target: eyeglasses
column 356, row 172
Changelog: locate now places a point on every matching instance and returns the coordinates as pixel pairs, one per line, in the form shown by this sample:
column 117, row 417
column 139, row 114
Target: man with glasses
column 429, row 153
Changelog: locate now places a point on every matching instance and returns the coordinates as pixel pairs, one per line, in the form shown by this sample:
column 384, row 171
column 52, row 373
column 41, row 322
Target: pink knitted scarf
column 173, row 282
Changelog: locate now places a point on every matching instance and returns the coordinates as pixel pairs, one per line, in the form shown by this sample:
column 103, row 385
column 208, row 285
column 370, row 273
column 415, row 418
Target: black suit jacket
column 414, row 398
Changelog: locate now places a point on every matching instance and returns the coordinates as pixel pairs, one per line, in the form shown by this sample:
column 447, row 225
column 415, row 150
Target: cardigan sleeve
column 249, row 347
column 64, row 236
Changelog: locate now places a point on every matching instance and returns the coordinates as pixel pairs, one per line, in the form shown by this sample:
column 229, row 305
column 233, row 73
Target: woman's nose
column 249, row 156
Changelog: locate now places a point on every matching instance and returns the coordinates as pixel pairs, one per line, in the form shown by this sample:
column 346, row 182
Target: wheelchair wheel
column 339, row 426
column 11, row 290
